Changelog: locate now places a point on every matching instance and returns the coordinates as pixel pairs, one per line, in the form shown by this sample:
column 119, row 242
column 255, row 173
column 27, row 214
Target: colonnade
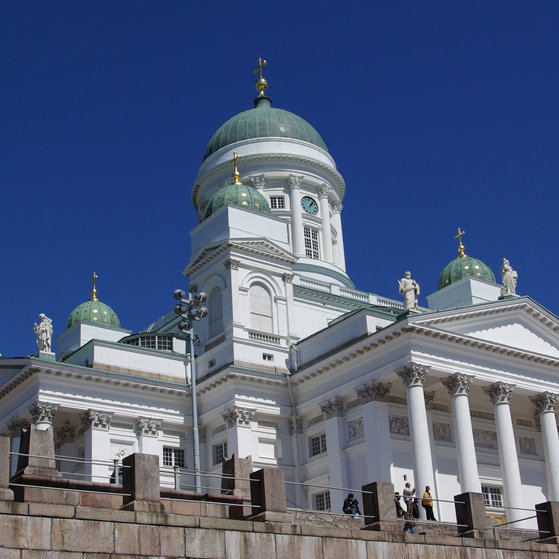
column 377, row 436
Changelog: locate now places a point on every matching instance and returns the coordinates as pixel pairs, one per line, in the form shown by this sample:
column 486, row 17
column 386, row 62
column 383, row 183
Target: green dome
column 95, row 312
column 465, row 267
column 238, row 194
column 264, row 122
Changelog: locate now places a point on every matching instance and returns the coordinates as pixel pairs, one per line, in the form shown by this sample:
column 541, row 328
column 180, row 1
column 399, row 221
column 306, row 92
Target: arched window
column 260, row 308
column 215, row 312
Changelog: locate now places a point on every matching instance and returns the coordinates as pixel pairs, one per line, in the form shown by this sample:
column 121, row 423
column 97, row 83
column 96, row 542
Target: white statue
column 43, row 330
column 508, row 277
column 409, row 288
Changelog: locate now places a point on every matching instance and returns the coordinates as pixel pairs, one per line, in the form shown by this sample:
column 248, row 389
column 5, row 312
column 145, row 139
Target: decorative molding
column 413, row 374
column 524, row 422
column 232, row 264
column 332, row 408
column 219, row 429
column 148, row 426
column 297, row 426
column 373, row 392
column 238, row 416
column 442, row 432
column 545, row 402
column 499, row 393
column 315, row 420
column 458, row 384
column 355, row 429
column 399, row 425
column 42, row 412
column 485, row 438
column 93, row 419
column 527, row 446
column 268, row 424
column 353, row 404
column 482, row 415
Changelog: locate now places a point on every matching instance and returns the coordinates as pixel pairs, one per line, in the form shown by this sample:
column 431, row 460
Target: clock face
column 309, row 205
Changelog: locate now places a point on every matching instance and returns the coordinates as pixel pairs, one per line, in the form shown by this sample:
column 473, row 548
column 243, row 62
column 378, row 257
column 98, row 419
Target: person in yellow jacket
column 427, row 503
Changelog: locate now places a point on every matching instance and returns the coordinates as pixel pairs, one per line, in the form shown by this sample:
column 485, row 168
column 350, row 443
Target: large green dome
column 463, row 267
column 264, row 121
column 93, row 311
column 238, row 194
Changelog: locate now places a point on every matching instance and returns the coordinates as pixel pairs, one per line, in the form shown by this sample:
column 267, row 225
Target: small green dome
column 238, row 194
column 93, row 311
column 465, row 267
column 263, row 121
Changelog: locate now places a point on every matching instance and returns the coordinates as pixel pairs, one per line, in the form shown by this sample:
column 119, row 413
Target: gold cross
column 236, row 173
column 261, row 64
column 94, row 291
column 459, row 237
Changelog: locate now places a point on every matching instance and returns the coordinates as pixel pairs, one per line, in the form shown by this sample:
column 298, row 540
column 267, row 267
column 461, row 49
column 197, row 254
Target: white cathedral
column 296, row 368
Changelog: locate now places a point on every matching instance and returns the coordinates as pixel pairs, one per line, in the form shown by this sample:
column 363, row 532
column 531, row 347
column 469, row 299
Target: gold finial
column 261, row 83
column 236, row 174
column 461, row 247
column 94, row 291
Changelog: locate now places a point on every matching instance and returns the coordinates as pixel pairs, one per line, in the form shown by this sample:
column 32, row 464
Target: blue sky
column 438, row 114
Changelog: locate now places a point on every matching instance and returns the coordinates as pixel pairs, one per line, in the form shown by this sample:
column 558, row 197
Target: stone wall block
column 267, row 490
column 205, row 543
column 22, row 532
column 378, row 502
column 470, row 513
column 140, row 482
column 137, row 540
column 79, row 535
column 548, row 520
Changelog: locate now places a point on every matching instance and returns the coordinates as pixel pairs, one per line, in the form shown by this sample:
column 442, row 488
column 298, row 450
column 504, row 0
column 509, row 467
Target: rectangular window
column 492, row 497
column 277, row 202
column 311, row 243
column 220, row 452
column 267, row 357
column 173, row 457
column 318, row 444
column 322, row 501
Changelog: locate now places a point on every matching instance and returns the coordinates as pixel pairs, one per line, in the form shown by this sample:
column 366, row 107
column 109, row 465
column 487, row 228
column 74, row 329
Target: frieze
column 314, row 420
column 527, row 446
column 219, row 429
column 399, row 425
column 442, row 432
column 485, row 438
column 355, row 429
column 269, row 424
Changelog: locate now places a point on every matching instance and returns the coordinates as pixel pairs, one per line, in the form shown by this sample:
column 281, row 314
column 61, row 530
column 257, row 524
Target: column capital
column 42, row 412
column 148, row 426
column 336, row 208
column 93, row 419
column 545, row 402
column 287, row 278
column 295, row 181
column 238, row 416
column 332, row 408
column 16, row 426
column 373, row 392
column 499, row 393
column 413, row 374
column 232, row 264
column 458, row 384
column 258, row 181
column 295, row 425
column 322, row 191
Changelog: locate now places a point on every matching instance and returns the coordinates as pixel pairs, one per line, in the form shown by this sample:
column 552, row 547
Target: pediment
column 521, row 325
column 259, row 246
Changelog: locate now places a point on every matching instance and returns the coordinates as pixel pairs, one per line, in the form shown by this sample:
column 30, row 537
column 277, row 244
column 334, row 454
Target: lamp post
column 190, row 309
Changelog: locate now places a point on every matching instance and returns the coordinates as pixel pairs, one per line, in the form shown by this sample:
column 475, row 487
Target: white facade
column 300, row 371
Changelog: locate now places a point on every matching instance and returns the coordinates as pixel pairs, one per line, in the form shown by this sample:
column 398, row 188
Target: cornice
column 235, row 373
column 94, row 376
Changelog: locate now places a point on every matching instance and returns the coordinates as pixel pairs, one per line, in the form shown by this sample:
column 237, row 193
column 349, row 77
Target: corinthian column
column 546, row 404
column 326, row 226
column 499, row 394
column 413, row 376
column 459, row 387
column 296, row 215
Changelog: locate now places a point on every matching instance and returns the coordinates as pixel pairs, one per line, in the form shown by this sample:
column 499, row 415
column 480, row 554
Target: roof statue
column 409, row 288
column 43, row 331
column 508, row 277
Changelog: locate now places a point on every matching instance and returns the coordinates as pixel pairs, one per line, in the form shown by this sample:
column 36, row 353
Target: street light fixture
column 191, row 309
